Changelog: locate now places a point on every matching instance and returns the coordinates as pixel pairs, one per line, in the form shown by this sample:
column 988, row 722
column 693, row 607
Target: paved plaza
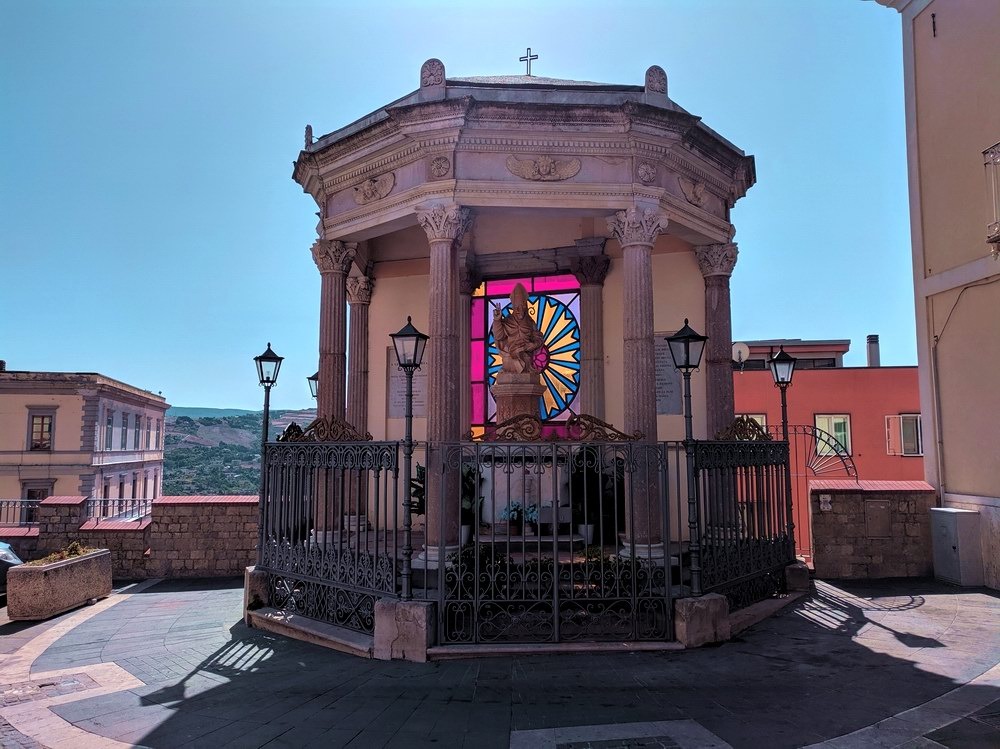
column 170, row 664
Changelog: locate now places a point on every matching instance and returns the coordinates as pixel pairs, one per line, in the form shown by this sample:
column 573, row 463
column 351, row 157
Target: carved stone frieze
column 543, row 168
column 694, row 192
column 440, row 167
column 590, row 270
column 359, row 289
column 646, row 172
column 744, row 429
column 324, row 430
column 444, row 221
column 432, row 73
column 637, row 225
column 716, row 259
column 656, row 80
column 333, row 256
column 375, row 188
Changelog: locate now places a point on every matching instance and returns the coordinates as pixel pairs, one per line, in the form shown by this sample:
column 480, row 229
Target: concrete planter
column 42, row 591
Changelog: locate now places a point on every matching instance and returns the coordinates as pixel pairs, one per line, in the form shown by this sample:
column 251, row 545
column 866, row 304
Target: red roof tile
column 115, row 525
column 827, row 485
column 18, row 531
column 63, row 500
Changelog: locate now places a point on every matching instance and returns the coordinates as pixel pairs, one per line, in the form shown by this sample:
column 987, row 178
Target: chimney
column 873, row 355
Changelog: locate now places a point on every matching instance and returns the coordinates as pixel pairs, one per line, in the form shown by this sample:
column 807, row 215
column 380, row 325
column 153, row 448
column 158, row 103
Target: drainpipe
column 938, row 431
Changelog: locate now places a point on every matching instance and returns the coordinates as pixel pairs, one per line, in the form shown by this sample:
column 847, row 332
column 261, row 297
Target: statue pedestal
column 517, row 394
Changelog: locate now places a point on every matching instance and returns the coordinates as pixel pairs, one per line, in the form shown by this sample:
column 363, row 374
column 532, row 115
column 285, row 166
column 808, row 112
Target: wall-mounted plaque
column 396, row 388
column 668, row 378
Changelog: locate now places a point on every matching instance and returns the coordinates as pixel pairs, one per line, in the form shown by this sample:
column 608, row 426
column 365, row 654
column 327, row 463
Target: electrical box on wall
column 958, row 556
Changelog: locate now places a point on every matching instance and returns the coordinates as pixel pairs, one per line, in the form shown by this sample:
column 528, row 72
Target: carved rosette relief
column 646, row 172
column 656, row 80
column 359, row 289
column 440, row 167
column 590, row 270
column 334, row 256
column 432, row 73
column 543, row 168
column 374, row 189
column 444, row 221
column 694, row 192
column 637, row 225
column 716, row 259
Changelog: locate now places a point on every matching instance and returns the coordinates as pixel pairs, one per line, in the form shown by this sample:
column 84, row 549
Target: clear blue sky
column 150, row 229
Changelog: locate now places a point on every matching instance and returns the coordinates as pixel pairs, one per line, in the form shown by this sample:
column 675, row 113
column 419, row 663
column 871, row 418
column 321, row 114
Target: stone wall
column 871, row 529
column 203, row 536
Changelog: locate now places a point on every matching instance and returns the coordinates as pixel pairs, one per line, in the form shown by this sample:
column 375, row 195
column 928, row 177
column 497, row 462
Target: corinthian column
column 333, row 258
column 444, row 224
column 717, row 262
column 359, row 296
column 590, row 271
column 636, row 230
column 469, row 281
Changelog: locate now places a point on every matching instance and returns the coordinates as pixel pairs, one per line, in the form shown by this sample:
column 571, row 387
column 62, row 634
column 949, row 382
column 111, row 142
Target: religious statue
column 516, row 335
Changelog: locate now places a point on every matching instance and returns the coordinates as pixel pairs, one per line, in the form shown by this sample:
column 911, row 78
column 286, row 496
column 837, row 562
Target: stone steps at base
column 316, row 632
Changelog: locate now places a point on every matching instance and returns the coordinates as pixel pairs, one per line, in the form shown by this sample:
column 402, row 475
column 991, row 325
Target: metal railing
column 18, row 512
column 104, row 510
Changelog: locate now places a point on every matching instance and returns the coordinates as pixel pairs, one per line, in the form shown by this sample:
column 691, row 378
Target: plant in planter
column 59, row 582
column 516, row 514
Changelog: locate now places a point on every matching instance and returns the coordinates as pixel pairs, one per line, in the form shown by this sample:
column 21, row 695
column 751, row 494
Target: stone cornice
column 637, row 225
column 444, row 221
column 333, row 256
column 716, row 259
column 359, row 289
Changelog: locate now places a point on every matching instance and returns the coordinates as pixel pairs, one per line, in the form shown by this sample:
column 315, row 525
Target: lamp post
column 686, row 348
column 268, row 365
column 409, row 344
column 313, row 381
column 782, row 368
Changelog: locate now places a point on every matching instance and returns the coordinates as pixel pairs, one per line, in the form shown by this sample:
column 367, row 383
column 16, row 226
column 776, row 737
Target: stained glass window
column 554, row 305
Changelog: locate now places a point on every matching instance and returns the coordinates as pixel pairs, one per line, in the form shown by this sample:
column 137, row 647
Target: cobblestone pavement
column 901, row 663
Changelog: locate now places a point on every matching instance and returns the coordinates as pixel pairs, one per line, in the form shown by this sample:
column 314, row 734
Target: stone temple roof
column 538, row 81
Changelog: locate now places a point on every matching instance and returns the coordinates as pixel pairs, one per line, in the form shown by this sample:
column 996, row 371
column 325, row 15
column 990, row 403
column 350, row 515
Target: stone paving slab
column 845, row 660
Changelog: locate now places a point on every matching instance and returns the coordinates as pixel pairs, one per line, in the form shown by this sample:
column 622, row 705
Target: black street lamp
column 686, row 348
column 782, row 368
column 268, row 365
column 313, row 381
column 409, row 344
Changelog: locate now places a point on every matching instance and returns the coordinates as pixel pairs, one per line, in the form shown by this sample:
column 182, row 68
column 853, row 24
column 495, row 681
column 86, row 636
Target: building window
column 149, row 426
column 106, row 492
column 145, row 485
column 135, row 485
column 157, row 444
column 904, row 435
column 135, row 434
column 759, row 418
column 837, row 426
column 124, row 440
column 109, row 430
column 41, row 424
column 155, row 478
column 121, row 486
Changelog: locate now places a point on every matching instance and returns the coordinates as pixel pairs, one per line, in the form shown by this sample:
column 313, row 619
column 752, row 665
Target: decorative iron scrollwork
column 324, row 430
column 584, row 428
column 743, row 429
column 523, row 428
column 578, row 428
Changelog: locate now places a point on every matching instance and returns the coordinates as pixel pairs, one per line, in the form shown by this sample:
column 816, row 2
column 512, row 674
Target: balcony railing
column 18, row 512
column 109, row 457
column 118, row 509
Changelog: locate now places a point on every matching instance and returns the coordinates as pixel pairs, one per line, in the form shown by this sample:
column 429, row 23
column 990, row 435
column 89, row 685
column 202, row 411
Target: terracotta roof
column 115, row 525
column 869, row 486
column 18, row 531
column 63, row 501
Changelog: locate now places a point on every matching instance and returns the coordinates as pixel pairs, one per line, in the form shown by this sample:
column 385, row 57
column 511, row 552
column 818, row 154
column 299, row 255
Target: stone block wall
column 203, row 536
column 871, row 529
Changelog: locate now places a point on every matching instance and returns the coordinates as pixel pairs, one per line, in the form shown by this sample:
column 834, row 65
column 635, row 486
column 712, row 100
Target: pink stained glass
column 505, row 286
column 477, row 361
column 477, row 322
column 478, row 407
column 564, row 282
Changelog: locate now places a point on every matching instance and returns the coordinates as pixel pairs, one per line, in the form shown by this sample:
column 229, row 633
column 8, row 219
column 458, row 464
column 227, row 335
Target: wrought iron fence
column 555, row 541
column 18, row 512
column 328, row 529
column 746, row 526
column 124, row 509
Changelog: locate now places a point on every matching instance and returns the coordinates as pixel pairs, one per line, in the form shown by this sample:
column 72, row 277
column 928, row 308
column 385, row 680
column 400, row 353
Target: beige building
column 951, row 63
column 78, row 433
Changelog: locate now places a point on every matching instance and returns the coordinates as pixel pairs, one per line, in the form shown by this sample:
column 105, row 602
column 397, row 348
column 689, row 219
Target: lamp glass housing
column 268, row 365
column 686, row 347
column 409, row 344
column 313, row 381
column 782, row 367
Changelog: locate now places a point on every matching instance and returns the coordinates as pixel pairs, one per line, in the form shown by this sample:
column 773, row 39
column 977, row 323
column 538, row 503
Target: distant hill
column 196, row 413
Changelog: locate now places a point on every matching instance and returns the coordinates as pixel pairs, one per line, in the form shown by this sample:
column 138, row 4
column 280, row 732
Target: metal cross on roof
column 528, row 58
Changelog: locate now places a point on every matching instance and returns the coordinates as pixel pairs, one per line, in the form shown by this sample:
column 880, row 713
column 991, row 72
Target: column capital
column 637, row 225
column 333, row 256
column 469, row 278
column 444, row 221
column 716, row 259
column 359, row 289
column 590, row 270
